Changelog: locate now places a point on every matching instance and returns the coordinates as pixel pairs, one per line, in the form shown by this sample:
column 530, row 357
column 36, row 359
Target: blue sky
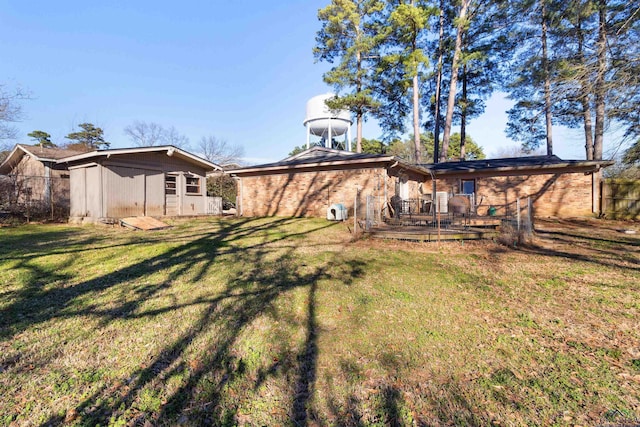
column 239, row 70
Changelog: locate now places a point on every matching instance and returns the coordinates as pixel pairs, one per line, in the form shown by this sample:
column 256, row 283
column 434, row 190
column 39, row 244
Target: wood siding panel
column 78, row 193
column 154, row 191
column 193, row 205
column 172, row 205
column 93, row 193
column 125, row 192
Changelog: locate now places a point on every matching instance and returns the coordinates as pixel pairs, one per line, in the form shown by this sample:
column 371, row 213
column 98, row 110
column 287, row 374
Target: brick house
column 308, row 183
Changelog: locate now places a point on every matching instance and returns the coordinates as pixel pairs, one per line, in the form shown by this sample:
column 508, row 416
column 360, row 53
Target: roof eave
column 275, row 168
column 171, row 150
column 586, row 166
column 392, row 161
column 9, row 163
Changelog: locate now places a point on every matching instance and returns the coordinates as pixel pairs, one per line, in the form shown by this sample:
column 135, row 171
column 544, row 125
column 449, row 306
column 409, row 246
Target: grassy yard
column 290, row 322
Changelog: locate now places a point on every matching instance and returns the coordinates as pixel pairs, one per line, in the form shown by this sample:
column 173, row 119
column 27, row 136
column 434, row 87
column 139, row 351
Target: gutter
column 587, row 164
column 169, row 149
column 397, row 163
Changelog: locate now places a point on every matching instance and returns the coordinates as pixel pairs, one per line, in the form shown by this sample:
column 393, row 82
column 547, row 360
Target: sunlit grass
column 289, row 321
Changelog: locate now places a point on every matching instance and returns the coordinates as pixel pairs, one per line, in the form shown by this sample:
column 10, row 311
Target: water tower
column 325, row 123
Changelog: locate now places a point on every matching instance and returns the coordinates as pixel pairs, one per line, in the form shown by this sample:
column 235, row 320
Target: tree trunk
column 598, row 141
column 547, row 80
column 359, row 113
column 436, row 131
column 359, row 120
column 599, row 81
column 416, row 120
column 416, row 107
column 463, row 114
column 584, row 96
column 454, row 80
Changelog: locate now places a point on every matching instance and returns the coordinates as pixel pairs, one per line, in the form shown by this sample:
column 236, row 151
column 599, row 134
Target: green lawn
column 291, row 322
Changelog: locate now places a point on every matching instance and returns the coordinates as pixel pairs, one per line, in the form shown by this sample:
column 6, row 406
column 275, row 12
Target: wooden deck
column 448, row 220
column 429, row 234
column 421, row 227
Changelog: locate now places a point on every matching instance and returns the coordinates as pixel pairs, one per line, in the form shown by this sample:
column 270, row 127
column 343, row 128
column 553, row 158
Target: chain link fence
column 34, row 197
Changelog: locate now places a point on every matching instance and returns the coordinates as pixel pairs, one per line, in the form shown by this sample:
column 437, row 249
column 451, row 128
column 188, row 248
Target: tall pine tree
column 349, row 37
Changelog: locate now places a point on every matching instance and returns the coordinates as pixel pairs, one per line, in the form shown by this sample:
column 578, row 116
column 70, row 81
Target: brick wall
column 310, row 193
column 553, row 195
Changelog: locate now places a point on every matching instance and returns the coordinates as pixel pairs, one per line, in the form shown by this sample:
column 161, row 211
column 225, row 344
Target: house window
column 468, row 186
column 170, row 184
column 193, row 185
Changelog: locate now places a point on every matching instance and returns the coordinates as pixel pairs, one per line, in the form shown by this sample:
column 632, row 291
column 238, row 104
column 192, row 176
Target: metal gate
column 374, row 216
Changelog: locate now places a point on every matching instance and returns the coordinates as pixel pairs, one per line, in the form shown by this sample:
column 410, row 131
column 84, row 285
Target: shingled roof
column 37, row 152
column 513, row 164
column 323, row 157
column 316, row 156
column 169, row 150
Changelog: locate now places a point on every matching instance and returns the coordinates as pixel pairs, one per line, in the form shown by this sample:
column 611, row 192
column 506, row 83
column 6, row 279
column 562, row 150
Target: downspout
column 596, row 192
column 103, row 194
column 594, row 201
column 386, row 178
column 434, row 189
column 205, row 200
column 239, row 195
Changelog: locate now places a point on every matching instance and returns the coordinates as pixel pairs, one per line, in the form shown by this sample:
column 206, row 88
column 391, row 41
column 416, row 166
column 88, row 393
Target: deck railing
column 420, row 212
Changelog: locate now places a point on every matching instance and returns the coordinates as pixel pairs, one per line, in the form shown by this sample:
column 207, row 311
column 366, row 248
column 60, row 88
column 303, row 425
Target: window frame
column 189, row 187
column 170, row 190
column 462, row 183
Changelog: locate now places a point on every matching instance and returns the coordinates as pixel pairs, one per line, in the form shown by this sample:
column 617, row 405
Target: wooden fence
column 621, row 198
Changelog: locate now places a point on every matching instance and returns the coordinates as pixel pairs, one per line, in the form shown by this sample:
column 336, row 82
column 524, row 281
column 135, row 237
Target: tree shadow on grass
column 575, row 245
column 617, row 254
column 270, row 267
column 201, row 399
column 46, row 294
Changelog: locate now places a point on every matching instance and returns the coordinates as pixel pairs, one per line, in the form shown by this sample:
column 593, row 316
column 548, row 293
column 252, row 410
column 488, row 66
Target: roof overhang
column 16, row 155
column 386, row 161
column 586, row 166
column 170, row 150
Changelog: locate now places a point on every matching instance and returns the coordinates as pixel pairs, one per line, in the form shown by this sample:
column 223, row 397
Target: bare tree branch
column 172, row 137
column 10, row 110
column 219, row 151
column 144, row 134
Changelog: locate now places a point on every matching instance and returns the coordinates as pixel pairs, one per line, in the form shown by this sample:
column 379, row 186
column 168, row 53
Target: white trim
column 311, row 165
column 170, row 150
column 84, row 165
